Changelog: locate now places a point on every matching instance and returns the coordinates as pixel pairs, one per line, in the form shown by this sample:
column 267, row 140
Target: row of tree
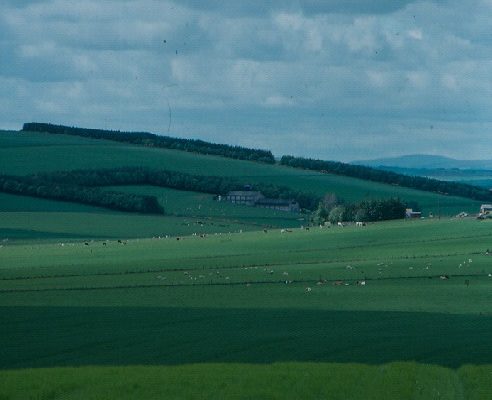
column 388, row 177
column 174, row 180
column 149, row 139
column 335, row 210
column 37, row 187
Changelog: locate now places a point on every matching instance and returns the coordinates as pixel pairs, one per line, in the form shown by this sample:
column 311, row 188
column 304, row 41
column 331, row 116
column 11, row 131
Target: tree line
column 37, row 187
column 152, row 140
column 176, row 180
column 388, row 177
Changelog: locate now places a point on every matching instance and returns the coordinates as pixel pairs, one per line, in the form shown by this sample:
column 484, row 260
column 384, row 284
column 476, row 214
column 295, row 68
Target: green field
column 24, row 218
column 246, row 381
column 205, row 303
column 25, row 153
column 254, row 298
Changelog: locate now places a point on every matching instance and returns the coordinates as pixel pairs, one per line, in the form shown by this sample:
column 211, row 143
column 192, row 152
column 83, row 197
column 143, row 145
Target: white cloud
column 278, row 101
column 415, row 34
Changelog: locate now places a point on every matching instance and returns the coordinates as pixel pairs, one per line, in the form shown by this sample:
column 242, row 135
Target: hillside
column 23, row 153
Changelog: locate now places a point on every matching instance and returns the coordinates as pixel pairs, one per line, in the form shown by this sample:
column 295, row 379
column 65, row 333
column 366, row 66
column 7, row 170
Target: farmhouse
column 257, row 199
column 409, row 213
column 278, row 204
column 248, row 197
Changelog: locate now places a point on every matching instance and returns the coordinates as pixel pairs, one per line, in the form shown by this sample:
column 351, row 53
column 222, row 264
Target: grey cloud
column 336, row 79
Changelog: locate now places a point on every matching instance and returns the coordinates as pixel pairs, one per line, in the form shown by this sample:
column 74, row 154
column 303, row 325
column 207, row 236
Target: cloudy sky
column 334, row 79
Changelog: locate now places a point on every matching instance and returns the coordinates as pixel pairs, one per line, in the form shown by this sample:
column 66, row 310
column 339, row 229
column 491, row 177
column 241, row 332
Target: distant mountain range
column 426, row 161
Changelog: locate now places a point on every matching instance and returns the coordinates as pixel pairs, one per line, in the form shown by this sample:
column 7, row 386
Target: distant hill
column 425, row 161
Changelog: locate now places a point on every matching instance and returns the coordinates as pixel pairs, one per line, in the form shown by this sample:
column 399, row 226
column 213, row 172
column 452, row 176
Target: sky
column 335, row 79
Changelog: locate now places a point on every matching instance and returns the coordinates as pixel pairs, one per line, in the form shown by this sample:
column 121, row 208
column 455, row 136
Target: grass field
column 27, row 218
column 96, row 304
column 24, row 218
column 243, row 381
column 261, row 307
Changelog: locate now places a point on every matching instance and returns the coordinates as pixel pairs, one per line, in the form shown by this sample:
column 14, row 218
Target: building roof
column 275, row 202
column 244, row 193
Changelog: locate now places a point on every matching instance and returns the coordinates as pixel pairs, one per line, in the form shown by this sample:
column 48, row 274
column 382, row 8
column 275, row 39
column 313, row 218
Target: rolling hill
column 24, row 153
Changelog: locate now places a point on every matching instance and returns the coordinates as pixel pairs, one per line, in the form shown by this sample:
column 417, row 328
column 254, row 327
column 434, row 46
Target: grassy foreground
column 248, row 381
column 252, row 315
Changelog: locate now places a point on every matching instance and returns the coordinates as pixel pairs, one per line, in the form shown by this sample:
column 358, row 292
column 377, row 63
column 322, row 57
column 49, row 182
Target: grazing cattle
column 265, row 231
column 358, row 223
column 338, row 283
column 467, row 282
column 444, row 277
column 87, row 244
column 308, row 289
column 104, row 243
column 341, row 224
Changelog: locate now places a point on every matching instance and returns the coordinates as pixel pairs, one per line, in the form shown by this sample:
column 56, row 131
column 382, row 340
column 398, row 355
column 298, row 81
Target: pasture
column 253, row 298
column 29, row 218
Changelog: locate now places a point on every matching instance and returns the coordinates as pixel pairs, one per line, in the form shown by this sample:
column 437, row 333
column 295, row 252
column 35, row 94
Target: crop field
column 404, row 306
column 59, row 152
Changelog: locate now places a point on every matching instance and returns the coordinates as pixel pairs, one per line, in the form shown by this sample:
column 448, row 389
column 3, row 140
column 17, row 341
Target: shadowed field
column 74, row 336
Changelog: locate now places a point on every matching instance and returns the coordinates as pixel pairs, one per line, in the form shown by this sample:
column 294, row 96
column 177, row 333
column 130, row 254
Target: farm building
column 409, row 213
column 248, row 197
column 257, row 199
column 278, row 204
